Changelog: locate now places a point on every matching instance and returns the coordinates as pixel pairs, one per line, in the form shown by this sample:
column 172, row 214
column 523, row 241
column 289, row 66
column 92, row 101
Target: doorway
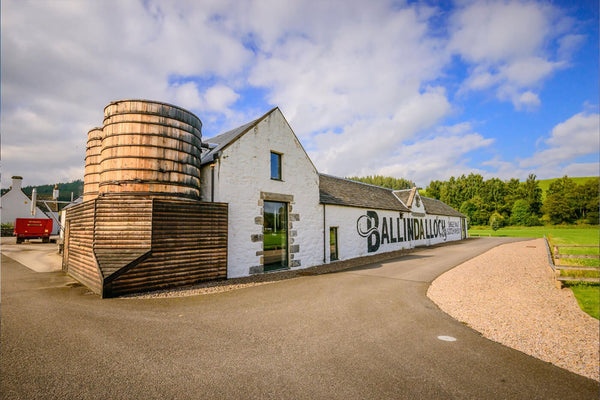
column 275, row 235
column 333, row 243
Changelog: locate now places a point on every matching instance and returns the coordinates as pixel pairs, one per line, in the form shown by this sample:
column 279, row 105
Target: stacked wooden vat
column 141, row 226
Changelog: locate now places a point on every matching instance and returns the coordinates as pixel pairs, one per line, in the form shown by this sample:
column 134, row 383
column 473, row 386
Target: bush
column 533, row 220
column 7, row 229
column 496, row 221
column 592, row 218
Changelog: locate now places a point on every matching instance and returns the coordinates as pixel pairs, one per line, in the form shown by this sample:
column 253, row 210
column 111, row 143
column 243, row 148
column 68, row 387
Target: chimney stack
column 16, row 182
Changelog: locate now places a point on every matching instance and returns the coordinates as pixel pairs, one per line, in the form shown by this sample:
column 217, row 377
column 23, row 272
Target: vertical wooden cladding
column 150, row 147
column 189, row 245
column 79, row 258
column 91, row 177
column 126, row 244
column 122, row 232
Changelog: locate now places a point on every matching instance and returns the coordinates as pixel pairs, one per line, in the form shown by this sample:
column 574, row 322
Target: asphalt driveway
column 364, row 333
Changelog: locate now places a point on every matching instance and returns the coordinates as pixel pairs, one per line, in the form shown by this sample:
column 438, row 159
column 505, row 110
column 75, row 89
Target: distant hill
column 45, row 191
column 545, row 183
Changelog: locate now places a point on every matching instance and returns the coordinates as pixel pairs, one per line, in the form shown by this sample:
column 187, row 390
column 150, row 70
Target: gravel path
column 508, row 294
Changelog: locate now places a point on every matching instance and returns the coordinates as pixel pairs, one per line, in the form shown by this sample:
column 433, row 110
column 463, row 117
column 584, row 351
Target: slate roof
column 437, row 207
column 344, row 192
column 225, row 139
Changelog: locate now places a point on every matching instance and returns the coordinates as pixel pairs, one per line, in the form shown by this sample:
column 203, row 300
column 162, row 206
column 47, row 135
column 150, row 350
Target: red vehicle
column 33, row 228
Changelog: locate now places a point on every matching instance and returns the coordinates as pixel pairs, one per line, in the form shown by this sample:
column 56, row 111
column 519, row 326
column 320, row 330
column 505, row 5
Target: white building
column 283, row 214
column 15, row 204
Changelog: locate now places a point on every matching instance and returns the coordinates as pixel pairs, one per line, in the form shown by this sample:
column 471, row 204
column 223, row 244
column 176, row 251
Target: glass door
column 275, row 235
column 333, row 244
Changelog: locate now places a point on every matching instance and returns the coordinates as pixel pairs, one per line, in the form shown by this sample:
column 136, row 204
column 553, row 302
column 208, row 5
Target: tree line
column 44, row 192
column 512, row 202
column 384, row 181
column 509, row 202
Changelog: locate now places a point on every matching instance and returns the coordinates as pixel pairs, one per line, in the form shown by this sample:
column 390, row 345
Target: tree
column 561, row 201
column 520, row 212
column 585, row 201
column 531, row 192
column 385, row 181
column 434, row 189
column 469, row 209
column 558, row 210
column 511, row 194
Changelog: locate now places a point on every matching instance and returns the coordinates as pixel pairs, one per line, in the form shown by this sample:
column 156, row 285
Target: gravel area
column 508, row 294
column 262, row 279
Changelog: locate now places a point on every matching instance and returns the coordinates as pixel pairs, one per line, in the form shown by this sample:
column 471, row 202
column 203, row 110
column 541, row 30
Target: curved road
column 364, row 333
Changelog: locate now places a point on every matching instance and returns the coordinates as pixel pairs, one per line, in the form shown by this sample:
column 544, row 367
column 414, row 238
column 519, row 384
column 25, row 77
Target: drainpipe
column 324, row 237
column 216, row 156
column 212, row 182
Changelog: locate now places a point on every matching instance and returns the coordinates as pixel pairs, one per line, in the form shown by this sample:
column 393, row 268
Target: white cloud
column 573, row 138
column 220, row 97
column 62, row 62
column 367, row 144
column 526, row 100
column 506, row 45
column 568, row 142
column 435, row 158
column 568, row 45
column 579, row 169
column 351, row 79
column 186, row 95
column 333, row 74
column 492, row 32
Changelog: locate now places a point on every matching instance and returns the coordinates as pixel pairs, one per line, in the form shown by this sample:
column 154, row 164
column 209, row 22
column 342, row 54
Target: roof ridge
column 411, row 197
column 353, row 181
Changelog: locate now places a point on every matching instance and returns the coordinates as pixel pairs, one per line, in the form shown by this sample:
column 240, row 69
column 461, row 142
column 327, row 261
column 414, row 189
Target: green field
column 587, row 294
column 545, row 183
column 584, row 234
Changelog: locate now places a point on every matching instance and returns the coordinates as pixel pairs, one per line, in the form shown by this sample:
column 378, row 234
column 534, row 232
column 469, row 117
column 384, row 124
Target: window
column 275, row 235
column 333, row 244
column 275, row 166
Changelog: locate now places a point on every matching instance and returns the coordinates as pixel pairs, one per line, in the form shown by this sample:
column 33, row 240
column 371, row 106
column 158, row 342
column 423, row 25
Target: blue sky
column 415, row 90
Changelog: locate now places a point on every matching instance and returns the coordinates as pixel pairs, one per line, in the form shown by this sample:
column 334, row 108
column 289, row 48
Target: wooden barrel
column 91, row 177
column 150, row 148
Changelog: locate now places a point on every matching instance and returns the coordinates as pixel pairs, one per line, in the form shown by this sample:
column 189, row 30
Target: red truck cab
column 33, row 228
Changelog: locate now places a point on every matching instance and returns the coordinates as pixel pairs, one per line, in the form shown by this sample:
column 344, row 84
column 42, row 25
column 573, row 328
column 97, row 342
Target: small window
column 275, row 166
column 333, row 244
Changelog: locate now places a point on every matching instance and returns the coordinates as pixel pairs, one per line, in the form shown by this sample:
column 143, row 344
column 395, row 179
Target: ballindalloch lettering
column 398, row 231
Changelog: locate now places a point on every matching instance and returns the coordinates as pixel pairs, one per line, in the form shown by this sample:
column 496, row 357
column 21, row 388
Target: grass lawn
column 584, row 234
column 588, row 295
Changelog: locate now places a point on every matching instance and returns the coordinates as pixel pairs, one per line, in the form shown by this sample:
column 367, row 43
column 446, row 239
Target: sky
column 420, row 90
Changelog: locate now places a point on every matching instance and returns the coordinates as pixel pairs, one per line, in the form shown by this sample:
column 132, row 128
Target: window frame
column 334, row 234
column 279, row 165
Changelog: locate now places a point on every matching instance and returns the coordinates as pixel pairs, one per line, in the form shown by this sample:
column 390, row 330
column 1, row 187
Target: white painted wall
column 244, row 171
column 350, row 221
column 15, row 204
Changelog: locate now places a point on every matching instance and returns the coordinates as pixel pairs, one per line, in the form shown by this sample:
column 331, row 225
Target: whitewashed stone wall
column 243, row 180
column 15, row 204
column 363, row 232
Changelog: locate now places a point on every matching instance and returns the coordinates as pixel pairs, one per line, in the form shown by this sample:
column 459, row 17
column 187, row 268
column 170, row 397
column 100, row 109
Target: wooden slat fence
column 557, row 255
